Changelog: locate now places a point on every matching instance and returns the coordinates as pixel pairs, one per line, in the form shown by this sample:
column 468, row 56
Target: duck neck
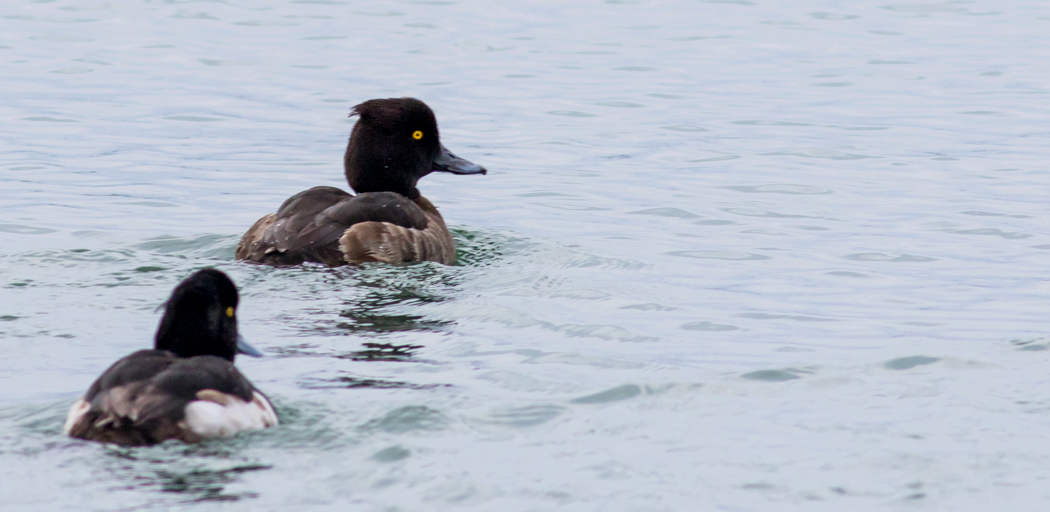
column 377, row 182
column 383, row 170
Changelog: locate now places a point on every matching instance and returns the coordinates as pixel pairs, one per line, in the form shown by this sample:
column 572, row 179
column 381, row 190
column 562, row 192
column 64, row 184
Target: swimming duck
column 394, row 143
column 186, row 388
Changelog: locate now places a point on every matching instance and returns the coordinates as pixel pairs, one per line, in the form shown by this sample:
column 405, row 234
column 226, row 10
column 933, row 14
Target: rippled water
column 731, row 255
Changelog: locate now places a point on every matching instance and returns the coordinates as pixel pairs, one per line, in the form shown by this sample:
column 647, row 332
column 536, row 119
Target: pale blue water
column 730, row 255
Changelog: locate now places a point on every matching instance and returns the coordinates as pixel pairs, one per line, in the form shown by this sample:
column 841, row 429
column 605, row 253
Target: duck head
column 200, row 318
column 394, row 144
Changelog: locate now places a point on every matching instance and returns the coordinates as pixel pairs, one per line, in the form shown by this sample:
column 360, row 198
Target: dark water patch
column 824, row 153
column 193, row 16
column 350, row 382
column 619, row 104
column 383, row 352
column 408, row 419
column 754, row 212
column 923, row 8
column 667, row 212
column 708, row 326
column 691, row 128
column 769, row 123
column 832, row 16
column 714, row 159
column 375, row 323
column 527, row 416
column 616, row 394
column 212, row 62
column 201, row 484
column 845, row 273
column 569, row 113
column 993, row 232
column 297, row 350
column 266, row 23
column 649, row 306
column 391, row 454
column 1031, row 345
column 49, row 119
column 978, row 213
column 377, row 299
column 719, row 255
column 797, row 318
column 149, row 269
column 20, row 229
column 907, row 363
column 781, row 189
column 152, row 204
column 772, row 375
column 370, row 313
column 878, row 256
column 1035, row 347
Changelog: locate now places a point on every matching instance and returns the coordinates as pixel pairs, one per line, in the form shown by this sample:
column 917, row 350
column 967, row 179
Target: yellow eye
column 229, row 312
column 417, row 135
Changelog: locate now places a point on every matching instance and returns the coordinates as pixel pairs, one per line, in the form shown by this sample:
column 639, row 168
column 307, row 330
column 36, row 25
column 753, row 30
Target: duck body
column 187, row 388
column 327, row 225
column 393, row 145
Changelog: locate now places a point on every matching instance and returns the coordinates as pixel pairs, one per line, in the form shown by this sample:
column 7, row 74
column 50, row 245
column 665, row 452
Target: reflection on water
column 383, row 352
column 195, row 473
column 374, row 323
column 202, row 484
column 346, row 381
column 384, row 292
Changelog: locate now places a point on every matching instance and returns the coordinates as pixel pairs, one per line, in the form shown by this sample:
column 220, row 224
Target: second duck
column 394, row 144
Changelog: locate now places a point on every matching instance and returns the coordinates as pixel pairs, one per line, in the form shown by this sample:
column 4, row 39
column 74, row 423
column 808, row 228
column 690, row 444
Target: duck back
column 153, row 395
column 327, row 225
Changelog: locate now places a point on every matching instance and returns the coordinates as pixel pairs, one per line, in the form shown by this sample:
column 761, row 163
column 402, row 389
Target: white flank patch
column 208, row 418
column 76, row 411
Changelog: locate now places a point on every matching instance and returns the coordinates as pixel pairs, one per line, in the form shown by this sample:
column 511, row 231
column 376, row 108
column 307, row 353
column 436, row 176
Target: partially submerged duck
column 187, row 387
column 394, row 144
